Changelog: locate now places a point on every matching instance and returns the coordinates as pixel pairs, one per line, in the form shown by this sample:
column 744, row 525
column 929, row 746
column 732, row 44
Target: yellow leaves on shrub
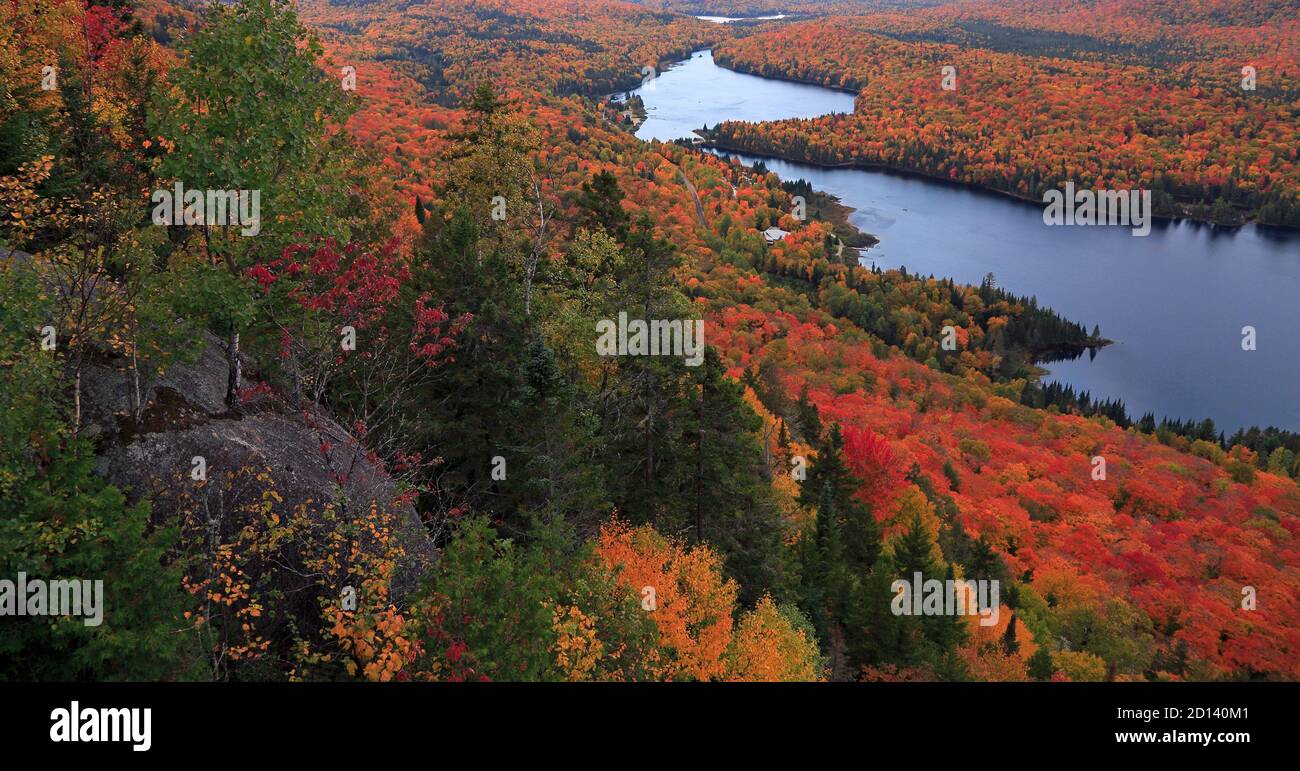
column 768, row 648
column 693, row 603
column 1080, row 666
column 576, row 648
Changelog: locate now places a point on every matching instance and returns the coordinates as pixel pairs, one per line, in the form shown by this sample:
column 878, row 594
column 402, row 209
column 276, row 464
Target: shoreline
column 934, row 178
column 1041, row 362
column 788, row 79
column 829, row 208
column 1183, row 215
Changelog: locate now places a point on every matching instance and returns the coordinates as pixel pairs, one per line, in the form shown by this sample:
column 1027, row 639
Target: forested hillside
column 417, row 463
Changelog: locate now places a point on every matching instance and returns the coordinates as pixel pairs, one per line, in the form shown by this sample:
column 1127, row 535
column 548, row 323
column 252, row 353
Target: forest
column 376, row 441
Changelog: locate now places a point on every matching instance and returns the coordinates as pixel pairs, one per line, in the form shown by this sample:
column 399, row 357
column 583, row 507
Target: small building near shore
column 772, row 235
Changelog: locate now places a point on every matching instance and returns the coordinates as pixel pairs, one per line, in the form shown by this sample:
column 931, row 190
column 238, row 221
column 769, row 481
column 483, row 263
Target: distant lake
column 733, row 19
column 1174, row 301
column 696, row 92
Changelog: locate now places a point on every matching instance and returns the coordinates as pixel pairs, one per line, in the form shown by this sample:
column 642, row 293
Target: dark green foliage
column 501, row 595
column 58, row 521
column 828, row 470
column 1040, row 664
column 601, row 200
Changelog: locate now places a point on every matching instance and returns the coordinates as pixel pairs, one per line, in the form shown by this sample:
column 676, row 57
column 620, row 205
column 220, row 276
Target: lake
column 1174, row 301
column 696, row 92
column 734, row 19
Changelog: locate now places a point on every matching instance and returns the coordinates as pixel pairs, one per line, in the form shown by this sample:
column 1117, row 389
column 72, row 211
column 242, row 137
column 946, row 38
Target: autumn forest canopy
column 301, row 351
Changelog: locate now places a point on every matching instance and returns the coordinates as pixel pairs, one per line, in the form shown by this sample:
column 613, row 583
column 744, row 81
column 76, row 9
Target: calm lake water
column 1174, row 301
column 697, row 92
column 734, row 19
